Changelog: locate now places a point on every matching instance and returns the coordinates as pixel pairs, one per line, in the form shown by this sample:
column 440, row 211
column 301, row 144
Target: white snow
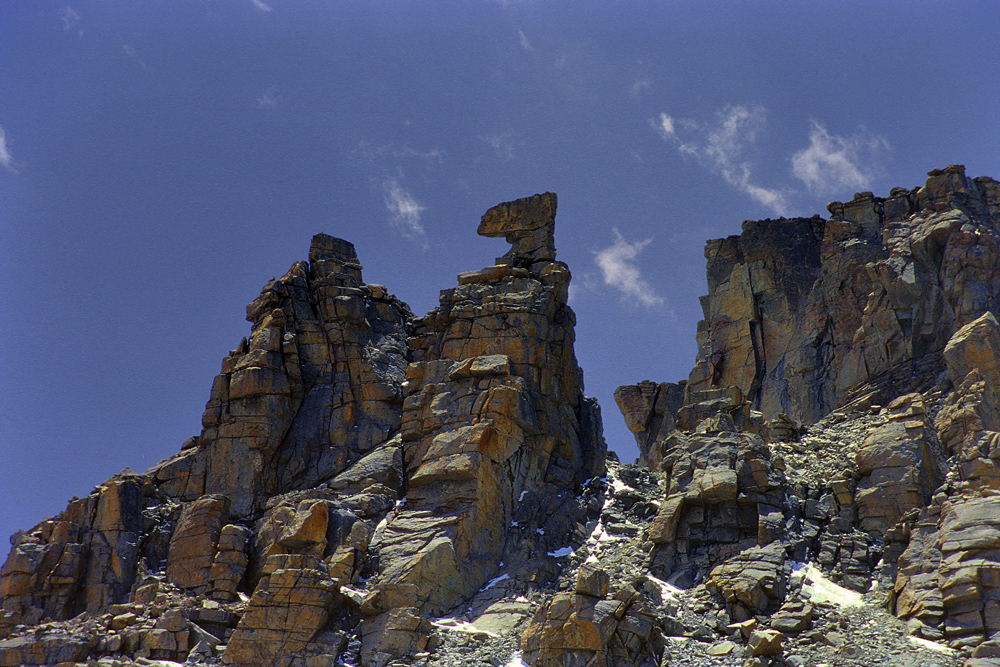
column 667, row 591
column 456, row 625
column 559, row 553
column 620, row 486
column 818, row 588
column 515, row 660
column 495, row 580
column 932, row 646
column 540, row 531
column 523, row 494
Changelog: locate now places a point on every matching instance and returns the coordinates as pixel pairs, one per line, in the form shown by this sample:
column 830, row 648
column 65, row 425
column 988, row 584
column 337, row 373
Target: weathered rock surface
column 371, row 488
column 802, row 311
column 337, row 405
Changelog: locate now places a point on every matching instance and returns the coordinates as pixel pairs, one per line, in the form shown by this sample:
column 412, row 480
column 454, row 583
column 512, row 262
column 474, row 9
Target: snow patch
column 515, row 661
column 667, row 591
column 457, row 625
column 620, row 486
column 559, row 553
column 932, row 646
column 817, row 588
column 523, row 494
column 495, row 580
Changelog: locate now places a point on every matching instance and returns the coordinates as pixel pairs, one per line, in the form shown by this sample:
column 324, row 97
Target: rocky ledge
column 374, row 488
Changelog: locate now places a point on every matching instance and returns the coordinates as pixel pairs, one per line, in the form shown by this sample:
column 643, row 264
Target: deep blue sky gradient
column 161, row 160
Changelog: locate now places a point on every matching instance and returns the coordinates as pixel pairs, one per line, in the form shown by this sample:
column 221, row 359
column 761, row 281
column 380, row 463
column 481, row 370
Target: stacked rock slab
column 948, row 581
column 494, row 410
column 591, row 627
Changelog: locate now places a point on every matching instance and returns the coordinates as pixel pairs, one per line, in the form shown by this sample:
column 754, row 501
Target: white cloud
column 404, row 211
column 617, row 264
column 525, row 44
column 665, row 127
column 268, row 99
column 261, row 5
column 833, row 163
column 6, row 159
column 720, row 145
column 70, row 19
column 639, row 87
column 502, row 144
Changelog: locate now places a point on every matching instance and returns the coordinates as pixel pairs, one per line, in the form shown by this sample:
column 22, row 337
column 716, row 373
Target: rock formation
column 373, row 488
column 812, row 324
column 345, row 443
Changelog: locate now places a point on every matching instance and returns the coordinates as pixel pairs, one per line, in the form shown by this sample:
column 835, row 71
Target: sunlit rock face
column 344, row 443
column 494, row 410
column 807, row 314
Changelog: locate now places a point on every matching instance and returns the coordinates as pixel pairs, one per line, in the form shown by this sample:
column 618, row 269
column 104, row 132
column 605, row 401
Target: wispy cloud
column 70, row 20
column 6, row 159
column 665, row 126
column 261, row 5
column 720, row 145
column 835, row 163
column 404, row 211
column 639, row 87
column 132, row 54
column 268, row 99
column 617, row 265
column 525, row 44
column 502, row 144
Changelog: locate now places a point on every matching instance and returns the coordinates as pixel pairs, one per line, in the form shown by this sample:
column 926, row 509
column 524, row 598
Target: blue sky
column 159, row 161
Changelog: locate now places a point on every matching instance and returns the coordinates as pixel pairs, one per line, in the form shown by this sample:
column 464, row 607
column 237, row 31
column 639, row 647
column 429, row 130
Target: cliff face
column 805, row 315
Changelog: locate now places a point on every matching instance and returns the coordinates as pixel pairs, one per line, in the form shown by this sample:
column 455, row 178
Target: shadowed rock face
column 344, row 441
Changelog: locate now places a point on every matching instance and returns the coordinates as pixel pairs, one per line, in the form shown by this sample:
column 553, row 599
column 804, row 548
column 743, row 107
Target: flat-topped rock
column 528, row 224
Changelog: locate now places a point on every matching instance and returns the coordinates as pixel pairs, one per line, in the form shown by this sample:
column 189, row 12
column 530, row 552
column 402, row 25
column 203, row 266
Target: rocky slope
column 373, row 488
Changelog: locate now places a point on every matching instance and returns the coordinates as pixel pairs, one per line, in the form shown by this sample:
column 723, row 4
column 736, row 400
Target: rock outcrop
column 373, row 488
column 811, row 324
column 804, row 313
column 355, row 462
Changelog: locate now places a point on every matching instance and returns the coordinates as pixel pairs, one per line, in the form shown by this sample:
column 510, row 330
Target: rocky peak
column 358, row 469
column 805, row 315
